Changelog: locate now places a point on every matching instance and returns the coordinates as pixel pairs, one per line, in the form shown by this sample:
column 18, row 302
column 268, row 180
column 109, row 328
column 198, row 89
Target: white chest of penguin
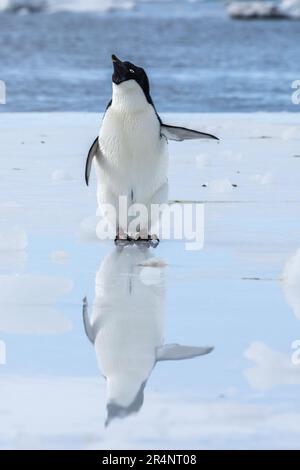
column 135, row 155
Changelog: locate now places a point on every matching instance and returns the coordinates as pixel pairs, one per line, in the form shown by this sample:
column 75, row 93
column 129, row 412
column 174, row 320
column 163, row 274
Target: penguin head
column 114, row 410
column 126, row 71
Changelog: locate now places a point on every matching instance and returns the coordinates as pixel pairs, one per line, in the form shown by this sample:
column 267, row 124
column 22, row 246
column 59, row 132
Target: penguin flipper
column 86, row 322
column 182, row 133
column 93, row 152
column 176, row 352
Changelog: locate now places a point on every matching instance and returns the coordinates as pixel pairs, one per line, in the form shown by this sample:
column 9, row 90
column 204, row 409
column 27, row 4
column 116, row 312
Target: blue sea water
column 197, row 58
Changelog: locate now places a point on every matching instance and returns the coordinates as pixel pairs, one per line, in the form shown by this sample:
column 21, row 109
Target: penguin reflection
column 127, row 327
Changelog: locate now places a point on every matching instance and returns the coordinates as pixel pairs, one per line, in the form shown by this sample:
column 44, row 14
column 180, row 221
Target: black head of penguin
column 124, row 71
column 117, row 411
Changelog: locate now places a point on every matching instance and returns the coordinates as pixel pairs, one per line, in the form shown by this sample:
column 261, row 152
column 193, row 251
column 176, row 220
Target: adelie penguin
column 131, row 151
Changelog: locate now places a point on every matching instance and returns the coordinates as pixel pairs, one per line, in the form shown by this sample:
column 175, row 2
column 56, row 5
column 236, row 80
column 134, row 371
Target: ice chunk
column 89, row 5
column 255, row 9
column 272, row 367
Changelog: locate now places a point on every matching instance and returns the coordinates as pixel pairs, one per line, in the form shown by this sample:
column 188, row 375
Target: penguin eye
column 131, row 71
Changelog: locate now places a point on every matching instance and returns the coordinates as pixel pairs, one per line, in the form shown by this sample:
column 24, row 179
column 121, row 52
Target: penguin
column 126, row 327
column 130, row 153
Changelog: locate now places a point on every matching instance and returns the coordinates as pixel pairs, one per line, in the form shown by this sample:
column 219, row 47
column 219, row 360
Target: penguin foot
column 148, row 242
column 155, row 242
column 124, row 241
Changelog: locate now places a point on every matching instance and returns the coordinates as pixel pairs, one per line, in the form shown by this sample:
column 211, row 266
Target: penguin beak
column 120, row 70
column 115, row 59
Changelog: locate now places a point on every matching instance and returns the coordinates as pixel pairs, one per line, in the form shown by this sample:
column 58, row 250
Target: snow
column 291, row 7
column 291, row 282
column 151, row 276
column 56, row 398
column 220, row 186
column 154, row 263
column 12, row 239
column 59, row 256
column 61, row 175
column 266, row 178
column 21, row 297
column 4, row 4
column 273, row 368
column 240, row 293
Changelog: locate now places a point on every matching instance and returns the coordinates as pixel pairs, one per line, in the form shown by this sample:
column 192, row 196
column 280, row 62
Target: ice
column 291, row 7
column 273, row 368
column 154, row 263
column 12, row 239
column 59, row 256
column 265, row 178
column 291, row 282
column 27, row 304
column 53, row 6
column 220, row 186
column 4, row 4
column 13, row 261
column 89, row 5
column 88, row 227
column 213, row 422
column 23, row 7
column 290, row 133
column 203, row 160
column 151, row 276
column 62, row 175
column 238, row 293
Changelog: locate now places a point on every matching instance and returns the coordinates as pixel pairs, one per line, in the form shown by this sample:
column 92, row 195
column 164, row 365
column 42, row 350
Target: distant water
column 197, row 58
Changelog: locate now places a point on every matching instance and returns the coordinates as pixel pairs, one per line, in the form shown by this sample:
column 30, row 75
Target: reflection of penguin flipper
column 176, row 352
column 93, row 152
column 182, row 133
column 86, row 321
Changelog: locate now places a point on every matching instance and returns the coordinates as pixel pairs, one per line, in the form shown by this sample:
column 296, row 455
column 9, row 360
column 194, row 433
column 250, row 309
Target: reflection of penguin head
column 115, row 410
